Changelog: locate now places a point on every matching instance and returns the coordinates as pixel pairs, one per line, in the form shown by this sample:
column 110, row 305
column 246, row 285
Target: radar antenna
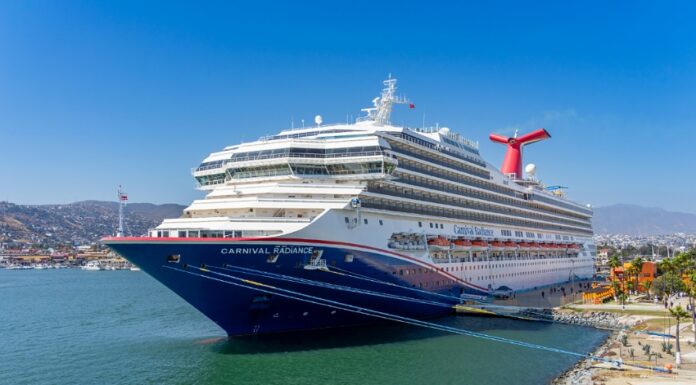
column 382, row 109
column 122, row 199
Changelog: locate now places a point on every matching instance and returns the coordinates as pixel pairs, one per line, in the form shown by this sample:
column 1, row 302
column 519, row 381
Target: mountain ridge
column 82, row 222
column 636, row 220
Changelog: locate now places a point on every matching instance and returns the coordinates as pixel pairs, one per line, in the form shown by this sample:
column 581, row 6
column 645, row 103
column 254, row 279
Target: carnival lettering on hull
column 473, row 230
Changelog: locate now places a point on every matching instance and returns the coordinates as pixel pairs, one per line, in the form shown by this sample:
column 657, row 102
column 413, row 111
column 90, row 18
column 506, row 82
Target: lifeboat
column 574, row 248
column 534, row 246
column 497, row 246
column 479, row 245
column 439, row 244
column 510, row 246
column 524, row 246
column 461, row 245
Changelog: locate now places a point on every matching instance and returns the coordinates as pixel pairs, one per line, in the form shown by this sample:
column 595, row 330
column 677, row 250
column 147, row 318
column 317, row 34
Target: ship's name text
column 473, row 230
column 268, row 250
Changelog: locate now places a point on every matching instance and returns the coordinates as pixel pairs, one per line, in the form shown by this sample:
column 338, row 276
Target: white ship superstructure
column 422, row 195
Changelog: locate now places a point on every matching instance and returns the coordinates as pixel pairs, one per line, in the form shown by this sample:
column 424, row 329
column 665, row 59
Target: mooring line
column 290, row 294
column 328, row 285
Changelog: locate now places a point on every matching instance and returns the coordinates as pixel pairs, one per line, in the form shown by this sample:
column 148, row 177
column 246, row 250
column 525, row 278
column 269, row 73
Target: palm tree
column 614, row 262
column 628, row 277
column 691, row 291
column 647, row 285
column 679, row 313
column 667, row 267
column 637, row 264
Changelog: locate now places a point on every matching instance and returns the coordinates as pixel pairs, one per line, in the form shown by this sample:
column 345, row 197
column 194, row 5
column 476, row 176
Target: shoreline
column 581, row 373
column 628, row 338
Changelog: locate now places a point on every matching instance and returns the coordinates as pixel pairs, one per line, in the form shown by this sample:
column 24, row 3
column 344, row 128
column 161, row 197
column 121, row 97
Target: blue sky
column 94, row 94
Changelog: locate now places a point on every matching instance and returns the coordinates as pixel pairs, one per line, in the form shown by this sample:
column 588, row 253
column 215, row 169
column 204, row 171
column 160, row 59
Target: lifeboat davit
column 439, row 244
column 461, row 245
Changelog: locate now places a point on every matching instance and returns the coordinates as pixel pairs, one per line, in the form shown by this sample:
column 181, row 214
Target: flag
column 123, row 197
column 411, row 105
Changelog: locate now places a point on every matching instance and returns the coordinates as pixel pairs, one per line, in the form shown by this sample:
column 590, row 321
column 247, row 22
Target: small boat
column 479, row 245
column 440, row 243
column 510, row 246
column 461, row 245
column 92, row 266
column 574, row 248
column 497, row 246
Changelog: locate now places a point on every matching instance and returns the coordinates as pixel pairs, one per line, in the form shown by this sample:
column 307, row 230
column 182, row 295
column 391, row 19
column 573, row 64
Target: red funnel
column 512, row 164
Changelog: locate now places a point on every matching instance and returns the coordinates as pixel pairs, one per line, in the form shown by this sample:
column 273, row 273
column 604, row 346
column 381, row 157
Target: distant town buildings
column 656, row 246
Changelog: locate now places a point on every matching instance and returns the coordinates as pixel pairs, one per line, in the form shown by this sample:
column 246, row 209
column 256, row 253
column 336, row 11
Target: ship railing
column 305, row 155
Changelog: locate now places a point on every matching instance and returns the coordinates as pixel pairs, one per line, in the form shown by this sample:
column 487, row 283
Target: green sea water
column 123, row 327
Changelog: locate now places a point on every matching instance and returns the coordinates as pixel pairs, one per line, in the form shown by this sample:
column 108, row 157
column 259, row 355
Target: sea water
column 123, row 327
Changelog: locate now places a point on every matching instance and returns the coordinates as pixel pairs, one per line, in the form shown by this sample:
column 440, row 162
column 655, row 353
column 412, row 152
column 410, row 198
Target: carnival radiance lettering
column 268, row 250
column 473, row 230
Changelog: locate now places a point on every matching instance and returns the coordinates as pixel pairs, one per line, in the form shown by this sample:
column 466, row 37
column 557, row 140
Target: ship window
column 182, row 234
column 420, row 224
column 431, row 225
column 174, row 258
column 348, row 258
column 365, row 221
column 193, row 234
column 381, row 223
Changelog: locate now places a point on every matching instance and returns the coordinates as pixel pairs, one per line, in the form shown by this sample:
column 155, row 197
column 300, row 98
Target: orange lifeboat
column 461, row 245
column 439, row 244
column 510, row 245
column 524, row 246
column 479, row 245
column 497, row 246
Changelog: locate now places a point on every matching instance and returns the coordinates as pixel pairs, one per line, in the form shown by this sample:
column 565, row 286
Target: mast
column 122, row 199
column 381, row 112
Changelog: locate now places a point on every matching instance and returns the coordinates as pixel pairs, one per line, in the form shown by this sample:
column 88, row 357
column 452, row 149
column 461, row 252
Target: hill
column 641, row 221
column 77, row 223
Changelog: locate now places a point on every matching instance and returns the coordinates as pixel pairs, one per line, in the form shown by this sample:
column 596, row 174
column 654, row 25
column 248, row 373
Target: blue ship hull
column 207, row 272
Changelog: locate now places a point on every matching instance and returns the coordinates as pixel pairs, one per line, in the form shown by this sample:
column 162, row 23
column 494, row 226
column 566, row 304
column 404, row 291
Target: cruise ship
column 322, row 226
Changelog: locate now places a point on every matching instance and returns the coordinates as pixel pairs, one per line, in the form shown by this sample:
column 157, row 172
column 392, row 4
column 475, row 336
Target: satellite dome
column 530, row 169
column 445, row 130
column 318, row 120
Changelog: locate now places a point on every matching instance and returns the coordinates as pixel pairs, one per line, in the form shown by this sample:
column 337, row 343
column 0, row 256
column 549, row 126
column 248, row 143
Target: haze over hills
column 77, row 223
column 641, row 221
